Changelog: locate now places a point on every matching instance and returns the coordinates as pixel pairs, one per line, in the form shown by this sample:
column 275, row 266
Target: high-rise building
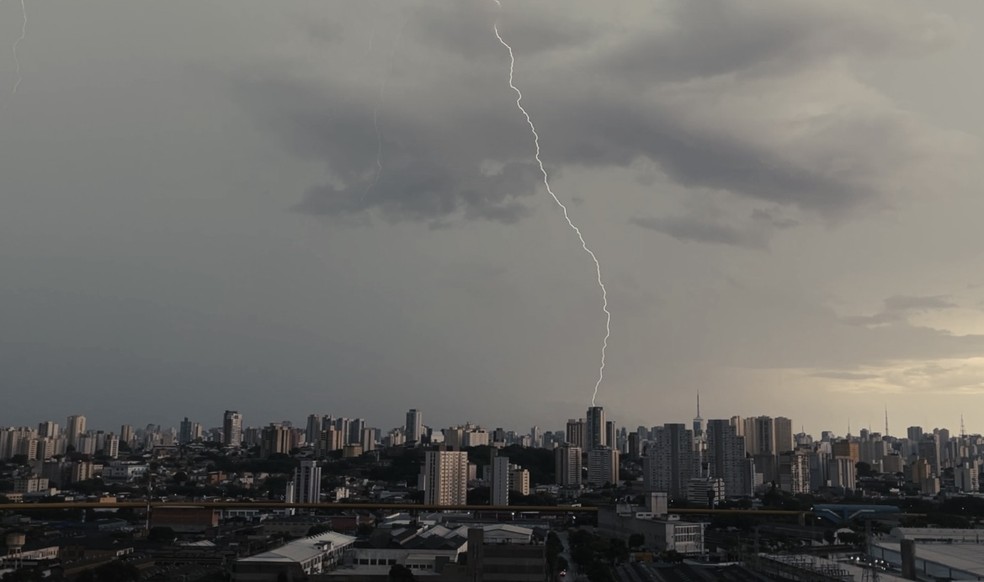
column 275, row 439
column 355, row 427
column 500, row 481
column 74, row 429
column 414, row 426
column 232, row 428
column 784, row 434
column 611, row 439
column 444, row 479
column 928, row 448
column 602, row 466
column 368, row 439
column 126, row 435
column 86, row 443
column 595, row 429
column 536, row 436
column 313, row 429
column 634, row 445
column 519, row 480
column 307, row 482
column 476, row 437
column 184, row 431
column 498, row 437
column 454, row 437
column 760, row 435
column 567, row 465
column 846, row 448
column 794, row 471
column 330, row 440
column 842, row 472
column 726, row 457
column 670, row 461
column 47, row 429
column 575, row 432
column 112, row 446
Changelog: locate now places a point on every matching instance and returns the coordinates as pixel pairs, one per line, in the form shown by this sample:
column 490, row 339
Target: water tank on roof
column 15, row 542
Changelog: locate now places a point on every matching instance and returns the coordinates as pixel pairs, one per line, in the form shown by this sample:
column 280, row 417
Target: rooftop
column 303, row 549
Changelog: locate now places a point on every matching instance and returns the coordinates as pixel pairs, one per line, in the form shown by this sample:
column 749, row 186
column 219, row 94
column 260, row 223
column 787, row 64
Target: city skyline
column 78, row 424
column 335, row 207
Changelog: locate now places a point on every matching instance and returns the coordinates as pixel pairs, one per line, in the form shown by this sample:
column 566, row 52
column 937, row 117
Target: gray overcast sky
column 784, row 197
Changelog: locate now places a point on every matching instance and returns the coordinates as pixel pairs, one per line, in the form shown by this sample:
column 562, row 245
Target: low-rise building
column 664, row 532
column 295, row 560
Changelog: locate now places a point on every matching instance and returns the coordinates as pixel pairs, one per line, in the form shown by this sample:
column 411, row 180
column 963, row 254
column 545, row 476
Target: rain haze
column 296, row 207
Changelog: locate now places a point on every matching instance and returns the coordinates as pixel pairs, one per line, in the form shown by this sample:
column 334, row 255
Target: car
column 563, row 574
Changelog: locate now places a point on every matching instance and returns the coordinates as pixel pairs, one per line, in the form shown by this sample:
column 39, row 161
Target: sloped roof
column 303, row 549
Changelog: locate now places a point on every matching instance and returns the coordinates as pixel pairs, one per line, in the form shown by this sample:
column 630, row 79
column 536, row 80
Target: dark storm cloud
column 899, row 308
column 691, row 228
column 747, row 98
column 721, row 37
column 753, row 233
column 431, row 166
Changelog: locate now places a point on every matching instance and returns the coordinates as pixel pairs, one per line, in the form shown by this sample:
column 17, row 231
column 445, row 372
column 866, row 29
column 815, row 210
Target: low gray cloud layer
column 749, row 98
column 899, row 308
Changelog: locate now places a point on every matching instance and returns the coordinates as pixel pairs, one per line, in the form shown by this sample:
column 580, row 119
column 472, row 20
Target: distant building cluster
column 643, row 473
column 705, row 462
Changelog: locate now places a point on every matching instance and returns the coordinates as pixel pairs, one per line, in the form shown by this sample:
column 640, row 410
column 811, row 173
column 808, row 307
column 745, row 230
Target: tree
column 479, row 496
column 637, row 540
column 562, row 564
column 114, row 571
column 617, row 550
column 400, row 573
column 161, row 535
column 318, row 529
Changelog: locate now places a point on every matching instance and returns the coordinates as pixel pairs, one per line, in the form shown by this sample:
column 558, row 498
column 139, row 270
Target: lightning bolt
column 375, row 110
column 567, row 217
column 14, row 48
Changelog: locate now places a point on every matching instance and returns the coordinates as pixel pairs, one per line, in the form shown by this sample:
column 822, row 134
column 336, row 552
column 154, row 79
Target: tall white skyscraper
column 444, row 479
column 307, row 482
column 415, row 425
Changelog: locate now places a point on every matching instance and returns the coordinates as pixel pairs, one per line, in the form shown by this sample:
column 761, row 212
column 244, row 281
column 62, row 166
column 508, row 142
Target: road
column 572, row 573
